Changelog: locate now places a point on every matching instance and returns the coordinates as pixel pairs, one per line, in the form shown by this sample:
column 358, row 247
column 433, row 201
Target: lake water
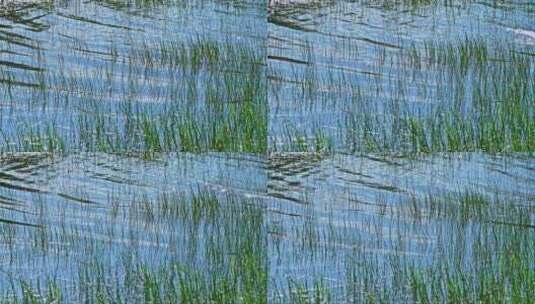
column 234, row 151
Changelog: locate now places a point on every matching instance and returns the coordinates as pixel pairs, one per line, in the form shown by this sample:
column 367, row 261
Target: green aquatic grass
column 482, row 252
column 462, row 95
column 499, row 117
column 203, row 96
column 202, row 225
column 482, row 249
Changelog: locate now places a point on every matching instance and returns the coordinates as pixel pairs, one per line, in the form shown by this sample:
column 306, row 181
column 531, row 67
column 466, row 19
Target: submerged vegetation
column 482, row 254
column 203, row 227
column 389, row 81
column 477, row 98
column 252, row 151
column 195, row 96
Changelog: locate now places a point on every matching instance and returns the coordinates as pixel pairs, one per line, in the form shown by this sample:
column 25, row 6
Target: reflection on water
column 59, row 212
column 321, row 210
column 328, row 212
column 100, row 99
column 368, row 177
column 120, row 75
column 366, row 75
column 98, row 175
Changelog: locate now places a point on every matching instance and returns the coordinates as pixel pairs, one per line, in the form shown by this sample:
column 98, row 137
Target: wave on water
column 527, row 36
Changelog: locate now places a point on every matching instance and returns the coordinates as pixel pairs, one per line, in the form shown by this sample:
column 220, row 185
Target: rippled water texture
column 133, row 76
column 328, row 209
column 226, row 151
column 385, row 76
